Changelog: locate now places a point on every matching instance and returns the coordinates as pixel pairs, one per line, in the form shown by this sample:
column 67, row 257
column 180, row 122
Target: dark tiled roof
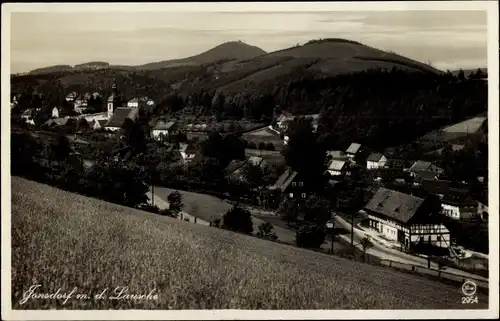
column 374, row 157
column 119, row 116
column 457, row 197
column 187, row 148
column 420, row 166
column 424, row 166
column 396, row 205
column 284, row 180
column 436, row 186
column 425, row 175
column 234, row 165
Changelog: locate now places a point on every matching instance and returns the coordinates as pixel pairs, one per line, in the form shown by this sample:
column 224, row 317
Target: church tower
column 112, row 100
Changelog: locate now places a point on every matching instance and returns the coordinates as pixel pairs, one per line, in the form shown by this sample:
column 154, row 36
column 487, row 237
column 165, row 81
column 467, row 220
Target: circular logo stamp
column 469, row 288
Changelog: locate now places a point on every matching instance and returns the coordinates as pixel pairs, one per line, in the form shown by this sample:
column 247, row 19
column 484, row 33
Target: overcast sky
column 447, row 39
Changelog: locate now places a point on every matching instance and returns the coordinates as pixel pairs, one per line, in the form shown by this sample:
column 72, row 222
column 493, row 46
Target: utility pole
column 352, row 229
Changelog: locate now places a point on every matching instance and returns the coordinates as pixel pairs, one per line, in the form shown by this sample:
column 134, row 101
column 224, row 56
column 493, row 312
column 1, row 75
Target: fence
column 434, row 272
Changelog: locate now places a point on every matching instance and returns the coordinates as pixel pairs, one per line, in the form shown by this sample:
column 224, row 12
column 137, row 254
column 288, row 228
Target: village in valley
column 404, row 210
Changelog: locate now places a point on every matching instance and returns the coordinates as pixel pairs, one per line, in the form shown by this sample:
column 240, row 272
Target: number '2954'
column 469, row 299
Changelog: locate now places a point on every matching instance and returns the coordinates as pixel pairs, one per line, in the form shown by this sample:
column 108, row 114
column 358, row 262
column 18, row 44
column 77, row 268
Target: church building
column 118, row 114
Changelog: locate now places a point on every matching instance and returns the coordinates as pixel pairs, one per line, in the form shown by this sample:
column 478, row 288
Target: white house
column 133, row 103
column 482, row 206
column 282, row 121
column 27, row 116
column 338, row 167
column 405, row 219
column 458, row 204
column 163, row 128
column 187, row 151
column 286, row 139
column 80, row 105
column 71, row 96
column 352, row 150
column 375, row 161
column 55, row 112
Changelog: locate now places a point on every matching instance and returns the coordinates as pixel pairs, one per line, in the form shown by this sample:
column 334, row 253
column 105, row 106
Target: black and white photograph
column 250, row 160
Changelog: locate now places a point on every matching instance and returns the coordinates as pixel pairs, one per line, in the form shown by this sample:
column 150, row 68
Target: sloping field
column 63, row 240
column 468, row 126
column 208, row 208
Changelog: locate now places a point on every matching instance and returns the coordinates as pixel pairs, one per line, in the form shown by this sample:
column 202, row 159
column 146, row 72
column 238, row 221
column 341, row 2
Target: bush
column 150, row 208
column 238, row 219
column 266, row 232
column 175, row 203
column 310, row 236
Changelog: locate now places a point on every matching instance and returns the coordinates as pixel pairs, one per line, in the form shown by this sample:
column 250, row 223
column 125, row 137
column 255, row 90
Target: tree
column 253, row 175
column 317, row 210
column 266, row 231
column 23, row 152
column 366, row 243
column 61, row 148
column 461, row 75
column 175, row 203
column 289, row 210
column 120, row 182
column 302, row 141
column 310, row 236
column 224, row 149
column 134, row 134
column 238, row 219
column 216, row 223
column 83, row 124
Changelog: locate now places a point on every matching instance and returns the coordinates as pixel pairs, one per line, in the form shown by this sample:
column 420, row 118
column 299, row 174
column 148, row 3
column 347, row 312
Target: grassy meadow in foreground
column 63, row 240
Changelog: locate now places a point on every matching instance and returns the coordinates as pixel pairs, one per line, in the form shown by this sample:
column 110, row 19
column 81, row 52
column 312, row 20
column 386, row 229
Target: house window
column 294, row 184
column 291, row 195
column 301, row 184
column 439, row 238
column 303, row 195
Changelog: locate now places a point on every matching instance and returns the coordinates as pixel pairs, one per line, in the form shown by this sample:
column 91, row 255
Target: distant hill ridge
column 233, row 50
column 333, row 55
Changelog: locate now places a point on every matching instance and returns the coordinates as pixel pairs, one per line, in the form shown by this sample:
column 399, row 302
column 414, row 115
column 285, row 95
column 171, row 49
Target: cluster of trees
column 121, row 182
column 239, row 219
